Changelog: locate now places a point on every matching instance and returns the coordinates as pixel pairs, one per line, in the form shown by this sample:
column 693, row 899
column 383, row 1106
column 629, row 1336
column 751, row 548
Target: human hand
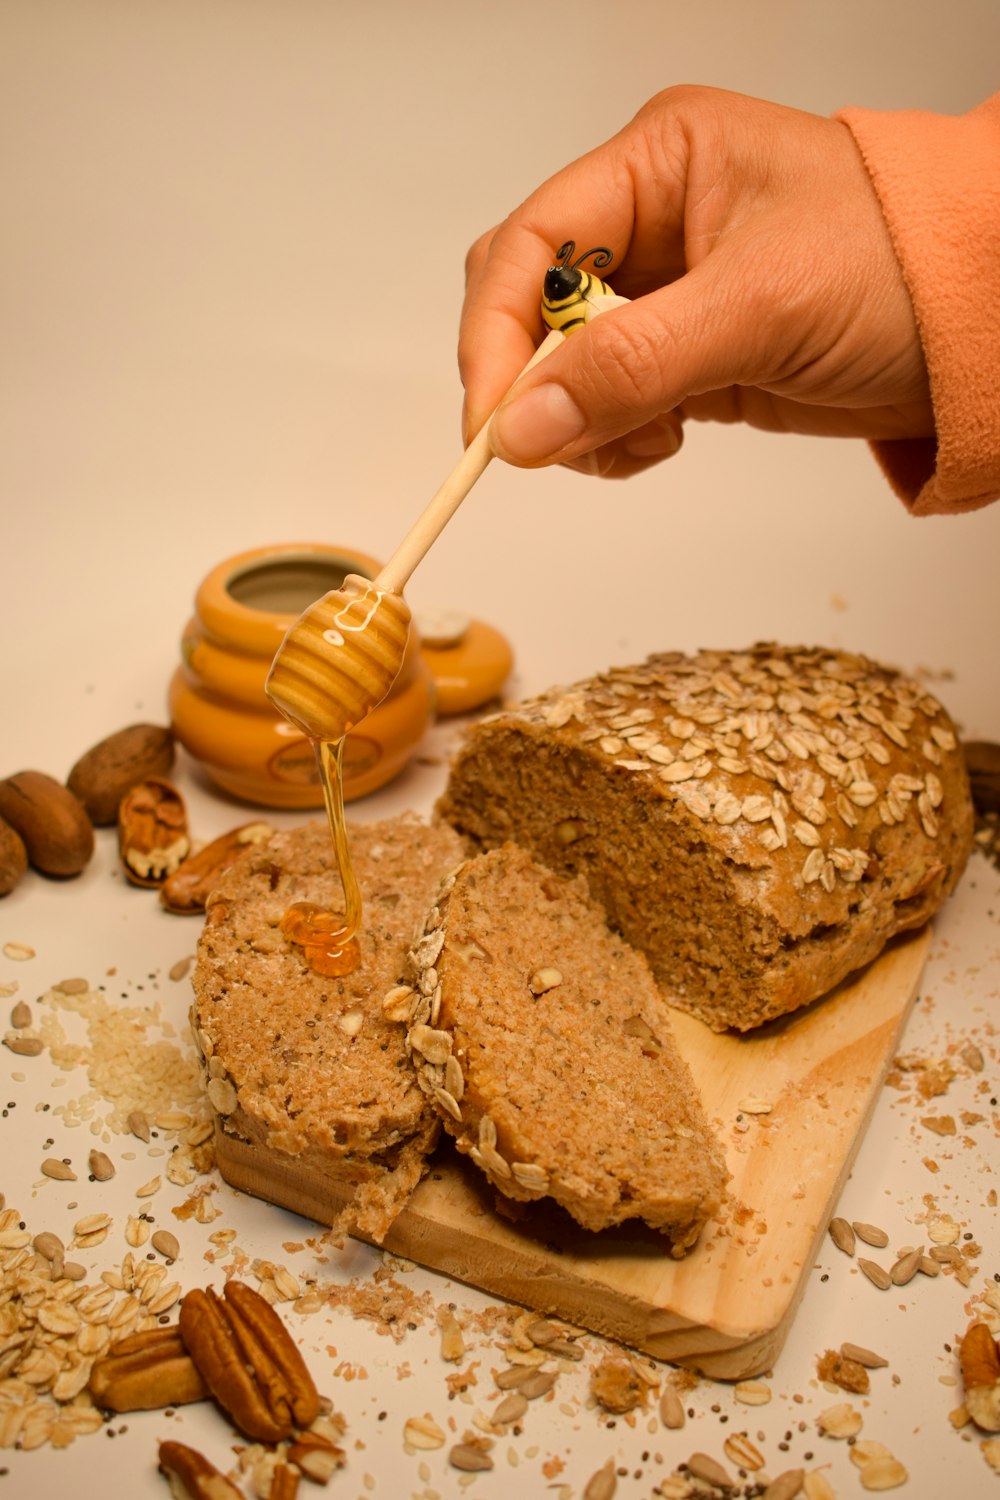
column 764, row 283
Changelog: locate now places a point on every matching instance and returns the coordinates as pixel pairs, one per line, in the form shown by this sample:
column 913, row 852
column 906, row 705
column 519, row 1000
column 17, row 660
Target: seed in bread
column 758, row 822
column 307, row 1065
column 573, row 1089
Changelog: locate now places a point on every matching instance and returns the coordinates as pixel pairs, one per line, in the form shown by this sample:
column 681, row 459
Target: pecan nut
column 51, row 823
column 188, row 888
column 146, row 1371
column 979, row 1358
column 192, row 1476
column 152, row 831
column 102, row 776
column 247, row 1359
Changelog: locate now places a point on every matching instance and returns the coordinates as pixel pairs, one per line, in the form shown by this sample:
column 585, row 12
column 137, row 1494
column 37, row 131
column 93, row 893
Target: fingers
column 592, row 202
column 639, row 450
column 615, row 379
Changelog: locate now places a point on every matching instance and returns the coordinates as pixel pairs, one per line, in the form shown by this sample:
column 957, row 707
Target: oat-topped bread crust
column 542, row 1039
column 308, row 1065
column 758, row 822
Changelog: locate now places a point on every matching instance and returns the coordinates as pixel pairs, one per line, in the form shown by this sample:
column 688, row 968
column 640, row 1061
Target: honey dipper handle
column 422, row 535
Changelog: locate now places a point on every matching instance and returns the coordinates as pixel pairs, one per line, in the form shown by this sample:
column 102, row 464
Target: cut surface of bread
column 759, row 823
column 309, row 1065
column 542, row 1039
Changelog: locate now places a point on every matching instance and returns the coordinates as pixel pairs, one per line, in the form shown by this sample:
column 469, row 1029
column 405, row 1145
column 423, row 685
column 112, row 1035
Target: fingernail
column 539, row 423
column 662, row 444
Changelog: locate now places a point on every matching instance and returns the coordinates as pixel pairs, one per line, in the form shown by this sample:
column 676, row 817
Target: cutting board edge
column 733, row 1355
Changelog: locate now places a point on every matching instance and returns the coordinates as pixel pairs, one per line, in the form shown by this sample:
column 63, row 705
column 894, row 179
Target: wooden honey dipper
column 339, row 659
column 341, row 656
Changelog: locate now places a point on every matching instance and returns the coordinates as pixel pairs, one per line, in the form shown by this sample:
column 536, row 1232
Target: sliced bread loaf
column 307, row 1065
column 542, row 1040
column 758, row 822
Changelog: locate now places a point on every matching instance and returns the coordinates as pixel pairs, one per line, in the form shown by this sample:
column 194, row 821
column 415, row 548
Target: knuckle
column 477, row 255
column 624, row 368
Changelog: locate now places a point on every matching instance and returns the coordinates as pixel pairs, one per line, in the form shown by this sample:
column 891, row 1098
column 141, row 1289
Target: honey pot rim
column 247, row 627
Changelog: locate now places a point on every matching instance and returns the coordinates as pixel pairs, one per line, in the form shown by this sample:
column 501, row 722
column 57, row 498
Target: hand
column 764, row 283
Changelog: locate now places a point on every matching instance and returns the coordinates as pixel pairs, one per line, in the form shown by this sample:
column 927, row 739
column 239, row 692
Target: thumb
column 631, row 365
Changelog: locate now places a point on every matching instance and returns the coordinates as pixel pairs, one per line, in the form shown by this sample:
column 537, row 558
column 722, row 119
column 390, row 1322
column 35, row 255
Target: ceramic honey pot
column 218, row 707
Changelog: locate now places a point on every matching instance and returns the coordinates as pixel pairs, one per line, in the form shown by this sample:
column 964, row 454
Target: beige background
column 231, row 246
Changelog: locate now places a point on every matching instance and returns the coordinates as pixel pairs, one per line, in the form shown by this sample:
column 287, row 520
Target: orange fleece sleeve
column 938, row 181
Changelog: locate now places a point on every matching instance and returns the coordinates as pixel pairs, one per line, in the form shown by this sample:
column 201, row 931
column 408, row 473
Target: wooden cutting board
column 726, row 1308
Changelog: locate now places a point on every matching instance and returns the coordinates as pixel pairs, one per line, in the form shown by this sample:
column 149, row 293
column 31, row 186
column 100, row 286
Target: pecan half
column 187, row 889
column 248, row 1361
column 192, row 1477
column 146, row 1371
column 152, row 831
column 979, row 1359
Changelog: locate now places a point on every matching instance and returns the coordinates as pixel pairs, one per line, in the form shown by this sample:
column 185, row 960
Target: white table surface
column 204, row 205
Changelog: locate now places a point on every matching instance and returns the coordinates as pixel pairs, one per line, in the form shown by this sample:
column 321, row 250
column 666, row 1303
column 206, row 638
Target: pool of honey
column 328, row 938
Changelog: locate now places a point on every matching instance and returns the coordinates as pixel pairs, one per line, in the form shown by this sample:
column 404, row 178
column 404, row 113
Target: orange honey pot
column 221, row 715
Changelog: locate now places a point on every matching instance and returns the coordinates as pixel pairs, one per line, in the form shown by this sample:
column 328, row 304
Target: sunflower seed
column 537, row 1383
column 671, row 1408
column 863, row 1356
column 59, row 1170
column 876, row 1274
column 906, row 1267
column 843, row 1235
column 49, row 1245
column 871, row 1234
column 469, row 1458
column 786, row 1486
column 704, row 1467
column 602, row 1485
column 165, row 1244
column 102, row 1168
column 24, row 1046
column 510, row 1409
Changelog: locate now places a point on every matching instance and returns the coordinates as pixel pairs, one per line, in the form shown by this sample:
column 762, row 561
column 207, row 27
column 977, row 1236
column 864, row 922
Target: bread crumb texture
column 759, row 822
column 572, row 1090
column 309, row 1065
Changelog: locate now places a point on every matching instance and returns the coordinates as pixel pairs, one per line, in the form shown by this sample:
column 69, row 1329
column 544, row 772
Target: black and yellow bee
column 566, row 289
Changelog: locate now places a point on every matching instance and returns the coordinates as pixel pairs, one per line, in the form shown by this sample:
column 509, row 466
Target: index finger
column 590, row 202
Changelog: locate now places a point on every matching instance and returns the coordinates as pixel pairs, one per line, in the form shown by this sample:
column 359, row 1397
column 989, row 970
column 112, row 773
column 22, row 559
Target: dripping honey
column 328, row 939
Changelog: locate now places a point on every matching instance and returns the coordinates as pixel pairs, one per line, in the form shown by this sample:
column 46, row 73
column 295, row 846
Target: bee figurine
column 567, row 291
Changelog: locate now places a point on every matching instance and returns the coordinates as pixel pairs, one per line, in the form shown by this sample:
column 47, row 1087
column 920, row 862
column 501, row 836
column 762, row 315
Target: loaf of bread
column 309, row 1066
column 542, row 1039
column 759, row 823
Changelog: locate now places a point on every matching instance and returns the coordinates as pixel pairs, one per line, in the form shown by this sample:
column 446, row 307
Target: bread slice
column 306, row 1065
column 758, row 822
column 544, row 1044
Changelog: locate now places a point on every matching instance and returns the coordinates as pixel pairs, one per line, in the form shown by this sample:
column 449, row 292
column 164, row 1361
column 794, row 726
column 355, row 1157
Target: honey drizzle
column 328, row 939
